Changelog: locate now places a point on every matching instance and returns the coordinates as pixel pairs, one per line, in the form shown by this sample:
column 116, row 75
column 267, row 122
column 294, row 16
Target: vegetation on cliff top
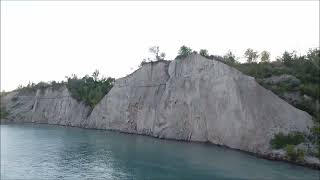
column 301, row 74
column 88, row 89
column 294, row 78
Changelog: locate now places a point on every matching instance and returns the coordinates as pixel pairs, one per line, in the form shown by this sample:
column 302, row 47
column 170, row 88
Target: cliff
column 192, row 99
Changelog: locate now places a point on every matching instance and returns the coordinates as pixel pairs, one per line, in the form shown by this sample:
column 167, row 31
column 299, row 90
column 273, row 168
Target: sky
column 48, row 40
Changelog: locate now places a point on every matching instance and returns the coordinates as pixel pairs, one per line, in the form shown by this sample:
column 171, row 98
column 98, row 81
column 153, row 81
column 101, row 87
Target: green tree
column 229, row 57
column 89, row 89
column 251, row 55
column 184, row 51
column 314, row 56
column 204, row 52
column 288, row 58
column 265, row 56
column 95, row 75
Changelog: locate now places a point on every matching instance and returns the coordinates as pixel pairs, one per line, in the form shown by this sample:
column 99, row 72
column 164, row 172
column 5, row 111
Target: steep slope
column 197, row 99
column 51, row 106
column 193, row 99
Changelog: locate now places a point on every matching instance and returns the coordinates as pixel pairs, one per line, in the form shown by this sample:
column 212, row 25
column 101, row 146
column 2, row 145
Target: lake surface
column 35, row 151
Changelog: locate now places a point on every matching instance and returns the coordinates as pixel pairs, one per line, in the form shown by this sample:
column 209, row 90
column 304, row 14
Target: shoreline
column 270, row 156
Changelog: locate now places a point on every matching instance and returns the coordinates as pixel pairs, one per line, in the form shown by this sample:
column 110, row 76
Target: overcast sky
column 44, row 41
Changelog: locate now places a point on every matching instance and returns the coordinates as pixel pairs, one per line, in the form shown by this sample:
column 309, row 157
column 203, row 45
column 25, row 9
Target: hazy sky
column 49, row 40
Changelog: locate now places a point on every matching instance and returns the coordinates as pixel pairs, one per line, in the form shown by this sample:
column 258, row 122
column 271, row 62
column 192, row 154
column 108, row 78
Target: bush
column 315, row 137
column 88, row 89
column 280, row 140
column 315, row 131
column 294, row 154
column 32, row 87
column 310, row 89
column 3, row 112
column 184, row 51
column 204, row 52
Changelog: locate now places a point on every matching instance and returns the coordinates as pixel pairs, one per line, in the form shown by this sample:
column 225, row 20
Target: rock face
column 50, row 106
column 193, row 99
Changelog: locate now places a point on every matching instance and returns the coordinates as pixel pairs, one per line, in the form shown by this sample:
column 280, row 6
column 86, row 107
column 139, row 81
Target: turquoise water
column 34, row 151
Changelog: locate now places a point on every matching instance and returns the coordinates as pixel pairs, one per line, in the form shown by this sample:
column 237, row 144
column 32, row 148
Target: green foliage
column 3, row 112
column 294, row 154
column 315, row 134
column 314, row 56
column 251, row 55
column 280, row 140
column 89, row 89
column 32, row 87
column 229, row 58
column 257, row 70
column 311, row 90
column 184, row 51
column 204, row 52
column 265, row 56
column 304, row 67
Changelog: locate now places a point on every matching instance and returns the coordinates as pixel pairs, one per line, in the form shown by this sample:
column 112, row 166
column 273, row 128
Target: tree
column 288, row 58
column 95, row 75
column 184, row 51
column 265, row 56
column 162, row 55
column 204, row 52
column 89, row 89
column 229, row 57
column 251, row 55
column 156, row 52
column 314, row 56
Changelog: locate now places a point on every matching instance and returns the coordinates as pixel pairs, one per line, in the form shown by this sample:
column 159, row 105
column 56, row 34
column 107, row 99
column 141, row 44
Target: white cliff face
column 193, row 99
column 196, row 99
column 51, row 106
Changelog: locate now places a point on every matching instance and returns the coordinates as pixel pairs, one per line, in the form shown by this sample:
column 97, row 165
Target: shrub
column 294, row 154
column 280, row 140
column 32, row 87
column 3, row 112
column 143, row 62
column 184, row 51
column 315, row 131
column 88, row 89
column 204, row 52
column 310, row 89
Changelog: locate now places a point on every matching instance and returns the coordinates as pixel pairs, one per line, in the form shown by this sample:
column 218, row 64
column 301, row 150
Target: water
column 34, row 151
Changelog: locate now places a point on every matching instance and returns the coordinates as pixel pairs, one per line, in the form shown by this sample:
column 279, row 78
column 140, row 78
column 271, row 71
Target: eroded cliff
column 193, row 99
